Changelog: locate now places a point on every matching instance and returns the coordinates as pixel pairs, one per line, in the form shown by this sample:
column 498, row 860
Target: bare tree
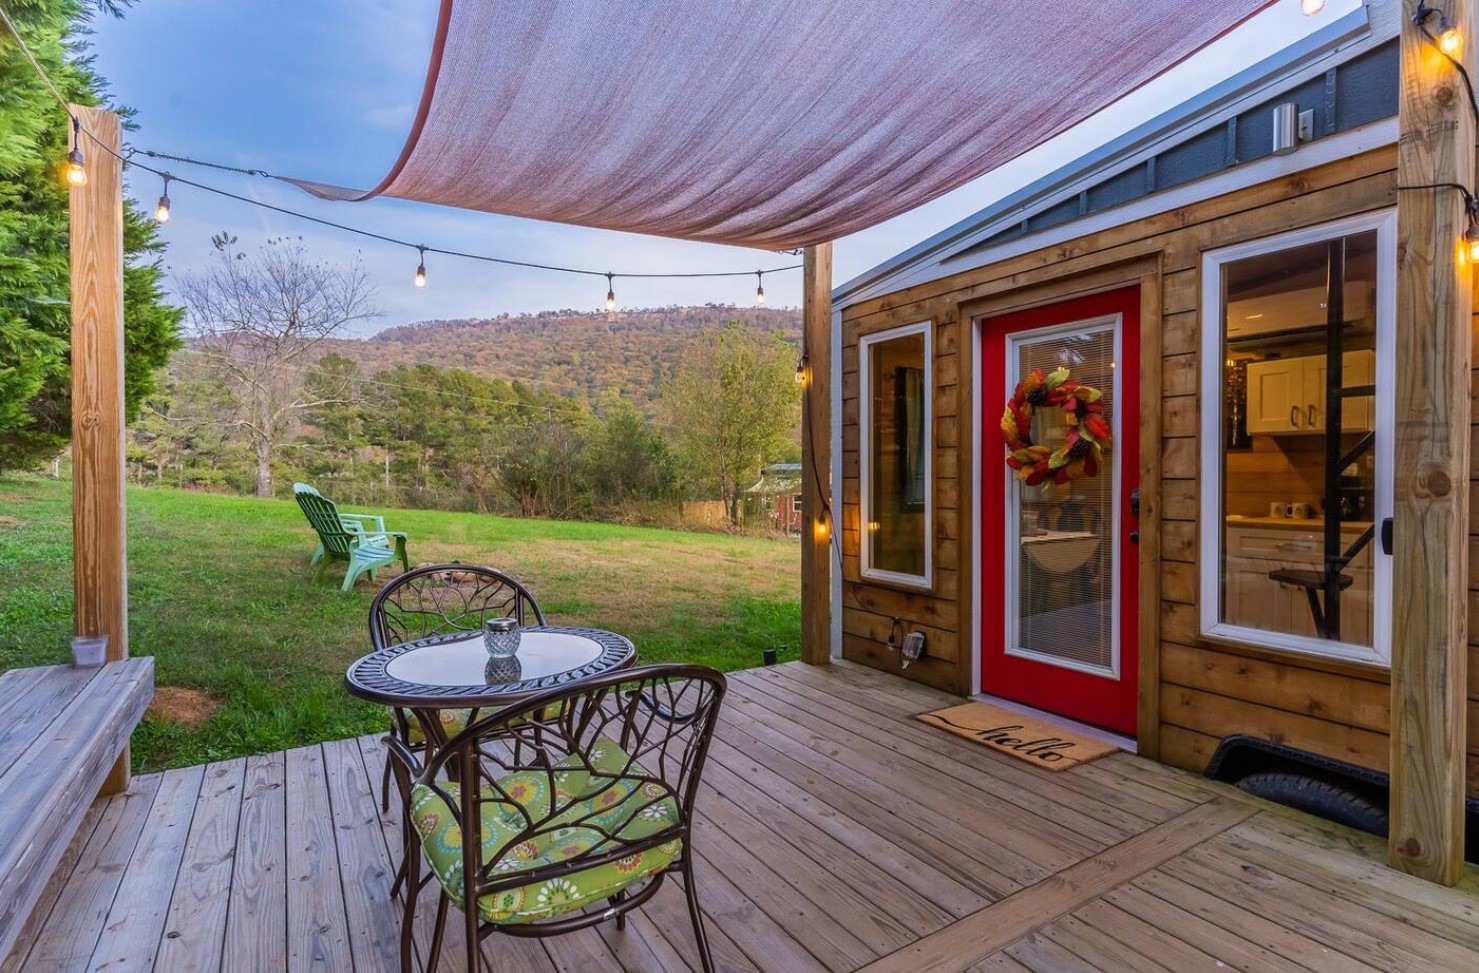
column 257, row 319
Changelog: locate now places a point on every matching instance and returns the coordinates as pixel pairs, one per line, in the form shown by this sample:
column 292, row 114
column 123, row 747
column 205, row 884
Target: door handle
column 1386, row 536
column 1135, row 502
column 1312, row 416
column 1294, row 416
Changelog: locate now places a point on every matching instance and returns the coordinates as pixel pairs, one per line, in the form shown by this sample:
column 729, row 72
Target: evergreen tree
column 35, row 320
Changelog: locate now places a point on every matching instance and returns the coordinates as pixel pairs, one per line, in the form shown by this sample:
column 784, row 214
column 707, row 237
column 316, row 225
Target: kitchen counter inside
column 1308, row 524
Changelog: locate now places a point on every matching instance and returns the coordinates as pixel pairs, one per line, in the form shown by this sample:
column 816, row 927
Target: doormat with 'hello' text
column 1043, row 744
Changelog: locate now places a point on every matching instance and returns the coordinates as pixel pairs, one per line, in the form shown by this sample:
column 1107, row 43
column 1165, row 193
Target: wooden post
column 817, row 525
column 1434, row 348
column 99, row 570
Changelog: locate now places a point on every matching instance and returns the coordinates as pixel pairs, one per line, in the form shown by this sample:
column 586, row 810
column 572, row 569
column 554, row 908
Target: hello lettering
column 1045, row 749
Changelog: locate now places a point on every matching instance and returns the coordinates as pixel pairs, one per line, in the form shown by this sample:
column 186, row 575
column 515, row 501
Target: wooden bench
column 61, row 730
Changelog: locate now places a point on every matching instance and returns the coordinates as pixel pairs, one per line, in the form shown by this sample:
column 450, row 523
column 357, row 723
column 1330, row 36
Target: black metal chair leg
column 408, row 917
column 474, row 954
column 621, row 918
column 385, row 786
column 437, row 932
column 696, row 914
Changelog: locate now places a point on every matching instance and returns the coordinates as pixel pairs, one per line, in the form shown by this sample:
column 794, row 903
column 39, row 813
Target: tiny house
column 1211, row 577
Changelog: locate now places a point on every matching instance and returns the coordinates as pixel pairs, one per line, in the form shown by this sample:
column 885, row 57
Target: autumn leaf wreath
column 1083, row 411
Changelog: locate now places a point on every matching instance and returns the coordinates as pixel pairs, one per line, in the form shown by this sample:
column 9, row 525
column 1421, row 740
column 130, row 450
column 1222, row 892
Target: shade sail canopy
column 766, row 123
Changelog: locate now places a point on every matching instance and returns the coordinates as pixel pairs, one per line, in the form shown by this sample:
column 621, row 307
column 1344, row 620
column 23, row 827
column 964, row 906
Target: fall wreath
column 1083, row 411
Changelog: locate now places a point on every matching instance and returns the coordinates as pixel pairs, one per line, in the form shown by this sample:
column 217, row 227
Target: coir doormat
column 1042, row 744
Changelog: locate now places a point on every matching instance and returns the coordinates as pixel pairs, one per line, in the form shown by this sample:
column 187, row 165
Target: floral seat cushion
column 611, row 798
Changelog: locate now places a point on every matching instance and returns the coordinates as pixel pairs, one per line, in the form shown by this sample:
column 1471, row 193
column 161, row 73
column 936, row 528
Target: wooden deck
column 837, row 835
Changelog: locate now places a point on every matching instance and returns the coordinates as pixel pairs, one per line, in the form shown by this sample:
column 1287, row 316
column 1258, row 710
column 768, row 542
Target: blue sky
column 326, row 89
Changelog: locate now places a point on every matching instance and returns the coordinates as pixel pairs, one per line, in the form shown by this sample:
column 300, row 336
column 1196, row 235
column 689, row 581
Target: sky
column 326, row 90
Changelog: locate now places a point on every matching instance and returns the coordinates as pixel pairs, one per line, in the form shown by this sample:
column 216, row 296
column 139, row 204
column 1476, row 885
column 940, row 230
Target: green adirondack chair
column 360, row 539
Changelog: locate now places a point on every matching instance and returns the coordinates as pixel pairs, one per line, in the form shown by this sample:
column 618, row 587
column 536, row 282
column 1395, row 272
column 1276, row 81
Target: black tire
column 1320, row 798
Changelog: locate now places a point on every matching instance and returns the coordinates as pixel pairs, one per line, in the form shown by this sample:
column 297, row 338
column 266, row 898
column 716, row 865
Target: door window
column 1295, row 452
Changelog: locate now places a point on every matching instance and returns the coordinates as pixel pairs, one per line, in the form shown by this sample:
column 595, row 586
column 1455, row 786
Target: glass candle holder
column 501, row 637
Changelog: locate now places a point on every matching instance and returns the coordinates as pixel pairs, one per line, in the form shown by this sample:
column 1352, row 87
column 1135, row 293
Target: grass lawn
column 220, row 593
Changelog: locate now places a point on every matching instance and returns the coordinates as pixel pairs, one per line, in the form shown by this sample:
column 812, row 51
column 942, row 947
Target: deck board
column 836, row 835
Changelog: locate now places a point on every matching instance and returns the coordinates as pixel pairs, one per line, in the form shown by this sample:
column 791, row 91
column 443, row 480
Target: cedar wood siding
column 1193, row 693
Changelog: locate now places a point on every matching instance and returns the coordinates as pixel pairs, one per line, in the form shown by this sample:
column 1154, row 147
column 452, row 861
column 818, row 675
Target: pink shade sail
column 763, row 123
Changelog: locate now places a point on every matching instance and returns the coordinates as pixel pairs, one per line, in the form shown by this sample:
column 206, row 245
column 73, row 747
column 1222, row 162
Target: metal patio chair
column 580, row 817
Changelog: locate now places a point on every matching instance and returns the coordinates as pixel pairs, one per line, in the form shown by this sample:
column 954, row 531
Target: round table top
column 454, row 670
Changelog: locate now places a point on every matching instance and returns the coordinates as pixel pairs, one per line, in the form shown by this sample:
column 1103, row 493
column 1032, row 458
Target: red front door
column 1059, row 567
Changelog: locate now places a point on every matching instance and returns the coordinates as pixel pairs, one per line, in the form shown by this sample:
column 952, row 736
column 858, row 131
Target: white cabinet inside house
column 1254, row 600
column 1287, row 395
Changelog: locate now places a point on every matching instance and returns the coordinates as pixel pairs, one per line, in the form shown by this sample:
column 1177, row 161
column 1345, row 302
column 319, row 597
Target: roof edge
column 1253, row 81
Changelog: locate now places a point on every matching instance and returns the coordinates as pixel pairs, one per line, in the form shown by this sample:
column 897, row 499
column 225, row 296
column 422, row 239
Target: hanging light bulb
column 1471, row 243
column 801, row 370
column 421, row 268
column 76, row 165
column 759, row 288
column 161, row 212
column 1311, row 7
column 610, row 296
column 1450, row 40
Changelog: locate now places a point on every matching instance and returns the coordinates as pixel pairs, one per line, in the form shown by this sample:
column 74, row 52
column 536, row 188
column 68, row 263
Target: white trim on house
column 835, row 487
column 865, row 453
column 1384, row 222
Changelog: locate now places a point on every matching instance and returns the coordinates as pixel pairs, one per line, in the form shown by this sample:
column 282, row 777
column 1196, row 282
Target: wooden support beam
column 817, row 528
column 99, row 569
column 1434, row 349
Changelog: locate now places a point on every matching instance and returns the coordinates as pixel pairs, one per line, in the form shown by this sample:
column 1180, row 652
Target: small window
column 897, row 441
column 796, row 504
column 1298, row 334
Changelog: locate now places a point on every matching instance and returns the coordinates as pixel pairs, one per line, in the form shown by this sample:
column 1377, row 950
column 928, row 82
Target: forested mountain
column 575, row 353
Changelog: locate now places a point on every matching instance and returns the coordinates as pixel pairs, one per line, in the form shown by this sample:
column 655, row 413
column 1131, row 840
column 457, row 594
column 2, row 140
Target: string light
column 610, row 296
column 76, row 165
column 1449, row 39
column 759, row 288
column 161, row 212
column 801, row 370
column 421, row 267
column 1311, row 7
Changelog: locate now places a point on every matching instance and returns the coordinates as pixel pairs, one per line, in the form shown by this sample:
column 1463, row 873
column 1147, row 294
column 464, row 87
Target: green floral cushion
column 453, row 721
column 628, row 808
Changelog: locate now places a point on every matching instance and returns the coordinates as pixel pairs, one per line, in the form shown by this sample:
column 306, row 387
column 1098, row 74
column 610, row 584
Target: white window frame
column 1384, row 222
column 1012, row 553
column 865, row 456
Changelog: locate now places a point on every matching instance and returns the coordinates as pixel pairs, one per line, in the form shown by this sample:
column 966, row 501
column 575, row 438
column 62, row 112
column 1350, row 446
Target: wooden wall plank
column 1434, row 351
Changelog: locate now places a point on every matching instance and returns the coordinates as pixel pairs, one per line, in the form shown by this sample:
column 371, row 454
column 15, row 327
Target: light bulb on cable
column 421, row 268
column 76, row 165
column 1471, row 243
column 1450, row 40
column 610, row 295
column 161, row 212
column 759, row 288
column 1311, row 7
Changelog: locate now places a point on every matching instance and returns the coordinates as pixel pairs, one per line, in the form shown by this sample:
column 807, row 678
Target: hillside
column 577, row 352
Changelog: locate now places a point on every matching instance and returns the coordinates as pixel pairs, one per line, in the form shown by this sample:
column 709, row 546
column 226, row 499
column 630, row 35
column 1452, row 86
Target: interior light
column 1311, row 7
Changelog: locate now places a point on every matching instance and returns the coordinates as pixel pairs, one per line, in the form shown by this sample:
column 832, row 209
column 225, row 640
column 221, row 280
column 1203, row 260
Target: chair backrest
column 323, row 517
column 614, row 772
column 438, row 599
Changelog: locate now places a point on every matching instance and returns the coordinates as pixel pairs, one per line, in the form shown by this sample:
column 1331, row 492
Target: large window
column 896, row 444
column 1296, row 439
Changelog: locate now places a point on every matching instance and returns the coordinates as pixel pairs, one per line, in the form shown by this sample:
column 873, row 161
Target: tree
column 257, row 319
column 35, row 323
column 731, row 402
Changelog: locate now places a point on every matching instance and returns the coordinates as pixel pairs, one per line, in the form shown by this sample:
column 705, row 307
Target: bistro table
column 454, row 671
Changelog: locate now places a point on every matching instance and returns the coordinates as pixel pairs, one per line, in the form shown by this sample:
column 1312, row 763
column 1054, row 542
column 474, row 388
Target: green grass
column 221, row 595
